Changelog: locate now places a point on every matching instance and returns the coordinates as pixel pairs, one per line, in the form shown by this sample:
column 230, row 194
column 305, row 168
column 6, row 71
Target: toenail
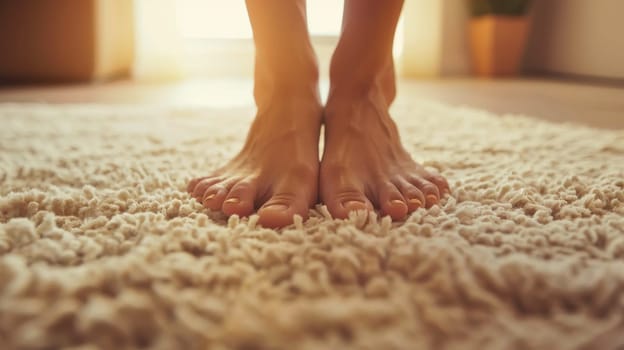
column 349, row 203
column 276, row 207
column 397, row 201
column 210, row 196
column 232, row 200
column 415, row 202
column 432, row 198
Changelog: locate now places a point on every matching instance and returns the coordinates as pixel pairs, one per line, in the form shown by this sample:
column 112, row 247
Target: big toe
column 343, row 202
column 279, row 211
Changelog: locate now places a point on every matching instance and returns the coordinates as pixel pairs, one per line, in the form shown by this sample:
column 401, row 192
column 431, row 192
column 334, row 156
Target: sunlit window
column 218, row 19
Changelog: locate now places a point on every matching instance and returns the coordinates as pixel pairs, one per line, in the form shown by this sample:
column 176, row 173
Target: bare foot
column 364, row 165
column 276, row 172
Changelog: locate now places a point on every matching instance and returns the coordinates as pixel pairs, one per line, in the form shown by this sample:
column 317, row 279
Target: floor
column 102, row 248
column 595, row 105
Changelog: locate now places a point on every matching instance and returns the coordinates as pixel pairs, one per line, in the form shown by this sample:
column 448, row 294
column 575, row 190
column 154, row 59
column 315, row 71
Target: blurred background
column 560, row 59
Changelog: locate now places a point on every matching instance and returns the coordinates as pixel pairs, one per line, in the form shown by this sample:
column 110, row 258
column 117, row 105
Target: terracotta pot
column 497, row 44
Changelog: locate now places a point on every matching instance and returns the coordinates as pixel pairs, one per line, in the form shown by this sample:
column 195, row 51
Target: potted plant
column 498, row 35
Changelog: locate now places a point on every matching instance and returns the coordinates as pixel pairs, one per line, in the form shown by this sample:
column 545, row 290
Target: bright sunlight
column 214, row 19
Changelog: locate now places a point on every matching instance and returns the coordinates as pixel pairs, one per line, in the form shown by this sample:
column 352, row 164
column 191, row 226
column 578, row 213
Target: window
column 212, row 38
column 218, row 19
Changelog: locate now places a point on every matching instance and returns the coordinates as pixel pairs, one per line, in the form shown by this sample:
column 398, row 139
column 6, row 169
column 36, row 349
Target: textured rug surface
column 100, row 246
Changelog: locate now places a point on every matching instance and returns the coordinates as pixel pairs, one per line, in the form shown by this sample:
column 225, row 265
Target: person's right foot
column 276, row 172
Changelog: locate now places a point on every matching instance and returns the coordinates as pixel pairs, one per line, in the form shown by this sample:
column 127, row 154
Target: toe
column 200, row 188
column 280, row 209
column 214, row 196
column 440, row 182
column 240, row 199
column 347, row 200
column 191, row 185
column 413, row 196
column 391, row 201
column 429, row 190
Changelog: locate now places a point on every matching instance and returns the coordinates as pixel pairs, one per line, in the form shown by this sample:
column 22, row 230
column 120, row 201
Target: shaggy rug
column 100, row 246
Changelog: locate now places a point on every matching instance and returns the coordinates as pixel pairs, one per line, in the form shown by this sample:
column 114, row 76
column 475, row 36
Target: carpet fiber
column 100, row 246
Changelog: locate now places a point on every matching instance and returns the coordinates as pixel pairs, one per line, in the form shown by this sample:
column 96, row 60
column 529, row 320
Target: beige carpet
column 100, row 247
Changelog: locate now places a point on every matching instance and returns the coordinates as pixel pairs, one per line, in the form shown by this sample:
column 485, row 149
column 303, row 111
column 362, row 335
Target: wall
column 455, row 54
column 434, row 39
column 421, row 33
column 578, row 37
column 573, row 37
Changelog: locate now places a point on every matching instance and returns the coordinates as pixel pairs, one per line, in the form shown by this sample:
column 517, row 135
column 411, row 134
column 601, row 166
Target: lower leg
column 364, row 165
column 364, row 53
column 285, row 59
column 288, row 119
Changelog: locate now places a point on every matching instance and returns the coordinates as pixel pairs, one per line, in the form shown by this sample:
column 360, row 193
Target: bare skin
column 364, row 165
column 276, row 172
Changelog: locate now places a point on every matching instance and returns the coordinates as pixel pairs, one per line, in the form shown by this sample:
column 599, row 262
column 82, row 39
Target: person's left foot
column 364, row 165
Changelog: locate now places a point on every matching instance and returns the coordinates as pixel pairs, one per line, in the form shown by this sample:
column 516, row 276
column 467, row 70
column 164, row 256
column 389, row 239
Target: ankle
column 287, row 112
column 363, row 81
column 357, row 110
column 287, row 81
column 353, row 90
column 278, row 91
